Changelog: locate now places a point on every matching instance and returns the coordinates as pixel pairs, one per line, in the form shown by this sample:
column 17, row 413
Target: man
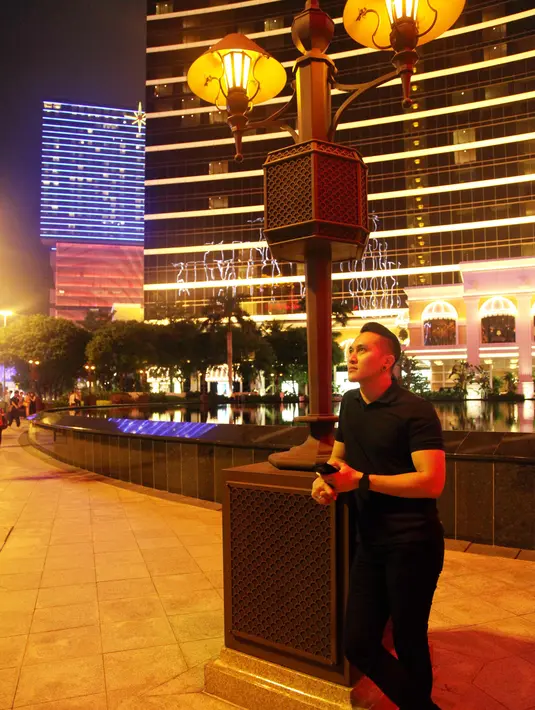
column 14, row 409
column 390, row 456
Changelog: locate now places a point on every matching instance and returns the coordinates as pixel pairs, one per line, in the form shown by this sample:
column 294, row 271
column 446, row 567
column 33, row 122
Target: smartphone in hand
column 325, row 469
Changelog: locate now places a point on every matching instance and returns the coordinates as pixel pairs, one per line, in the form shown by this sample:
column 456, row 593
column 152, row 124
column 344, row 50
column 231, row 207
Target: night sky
column 86, row 51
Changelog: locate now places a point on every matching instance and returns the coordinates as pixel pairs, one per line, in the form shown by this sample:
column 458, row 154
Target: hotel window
column 464, row 135
column 495, row 51
column 189, row 102
column 273, row 23
column 217, row 167
column 162, row 8
column 161, row 90
column 218, row 117
column 218, row 202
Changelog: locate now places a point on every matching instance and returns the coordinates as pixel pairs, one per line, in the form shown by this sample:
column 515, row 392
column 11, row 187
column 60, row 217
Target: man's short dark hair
column 378, row 329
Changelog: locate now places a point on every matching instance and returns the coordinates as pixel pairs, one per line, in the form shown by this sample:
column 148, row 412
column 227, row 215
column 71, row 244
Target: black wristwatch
column 364, row 485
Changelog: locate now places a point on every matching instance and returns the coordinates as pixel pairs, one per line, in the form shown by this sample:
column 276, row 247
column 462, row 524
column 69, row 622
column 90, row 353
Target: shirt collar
column 390, row 395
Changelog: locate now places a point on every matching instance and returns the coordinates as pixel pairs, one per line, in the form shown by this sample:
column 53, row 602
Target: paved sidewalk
column 112, row 599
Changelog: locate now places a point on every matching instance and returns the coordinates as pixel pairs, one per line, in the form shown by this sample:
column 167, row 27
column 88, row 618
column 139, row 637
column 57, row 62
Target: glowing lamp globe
column 371, row 22
column 236, row 65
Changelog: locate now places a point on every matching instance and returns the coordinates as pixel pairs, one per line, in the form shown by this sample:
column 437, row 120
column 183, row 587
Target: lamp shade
column 370, row 22
column 236, row 62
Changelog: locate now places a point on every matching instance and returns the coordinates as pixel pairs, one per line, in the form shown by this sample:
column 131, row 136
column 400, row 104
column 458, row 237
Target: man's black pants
column 13, row 416
column 397, row 582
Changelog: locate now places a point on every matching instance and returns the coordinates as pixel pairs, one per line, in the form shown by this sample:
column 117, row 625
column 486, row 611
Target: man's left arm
column 426, row 482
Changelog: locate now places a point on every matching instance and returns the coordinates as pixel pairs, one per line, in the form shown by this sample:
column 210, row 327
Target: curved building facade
column 451, row 193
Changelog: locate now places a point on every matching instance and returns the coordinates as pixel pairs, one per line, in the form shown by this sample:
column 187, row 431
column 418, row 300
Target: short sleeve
column 425, row 431
column 339, row 434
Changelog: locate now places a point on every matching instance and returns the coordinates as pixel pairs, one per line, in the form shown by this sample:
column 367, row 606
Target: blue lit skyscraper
column 92, row 205
column 92, row 174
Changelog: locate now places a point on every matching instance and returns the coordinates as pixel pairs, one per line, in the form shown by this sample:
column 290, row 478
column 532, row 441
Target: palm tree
column 225, row 310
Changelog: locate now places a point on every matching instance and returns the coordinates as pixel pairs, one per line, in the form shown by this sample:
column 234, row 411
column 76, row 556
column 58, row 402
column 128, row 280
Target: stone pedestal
column 253, row 683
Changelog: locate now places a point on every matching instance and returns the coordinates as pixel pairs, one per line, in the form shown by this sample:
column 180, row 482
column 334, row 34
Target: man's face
column 367, row 356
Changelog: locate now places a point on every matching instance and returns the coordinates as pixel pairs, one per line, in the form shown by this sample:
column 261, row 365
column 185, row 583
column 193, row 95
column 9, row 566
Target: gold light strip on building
column 277, row 280
column 337, row 21
column 400, row 232
column 475, row 185
column 210, row 9
column 404, row 155
column 460, row 69
column 238, row 246
column 397, row 118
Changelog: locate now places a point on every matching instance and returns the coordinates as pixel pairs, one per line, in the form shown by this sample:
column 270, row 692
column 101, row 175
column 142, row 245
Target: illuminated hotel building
column 92, row 207
column 452, row 249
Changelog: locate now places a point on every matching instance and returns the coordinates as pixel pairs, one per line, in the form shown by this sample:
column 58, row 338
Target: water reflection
column 472, row 415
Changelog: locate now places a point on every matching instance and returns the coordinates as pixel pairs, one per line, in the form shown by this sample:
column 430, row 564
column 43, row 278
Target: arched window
column 498, row 317
column 439, row 321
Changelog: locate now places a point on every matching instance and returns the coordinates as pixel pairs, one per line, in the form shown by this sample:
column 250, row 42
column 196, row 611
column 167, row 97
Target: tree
column 58, row 344
column 96, row 318
column 411, row 377
column 289, row 347
column 225, row 310
column 121, row 349
column 464, row 374
column 511, row 381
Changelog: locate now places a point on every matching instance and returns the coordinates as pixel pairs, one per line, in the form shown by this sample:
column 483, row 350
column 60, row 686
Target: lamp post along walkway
column 315, row 202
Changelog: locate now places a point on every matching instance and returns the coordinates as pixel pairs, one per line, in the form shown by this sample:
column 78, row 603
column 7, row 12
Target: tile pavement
column 112, row 599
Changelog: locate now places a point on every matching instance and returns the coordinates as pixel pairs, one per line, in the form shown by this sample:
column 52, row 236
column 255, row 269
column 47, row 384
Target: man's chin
column 353, row 376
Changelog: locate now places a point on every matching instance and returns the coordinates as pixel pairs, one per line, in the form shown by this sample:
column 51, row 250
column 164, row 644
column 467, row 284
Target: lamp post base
column 315, row 450
column 253, row 683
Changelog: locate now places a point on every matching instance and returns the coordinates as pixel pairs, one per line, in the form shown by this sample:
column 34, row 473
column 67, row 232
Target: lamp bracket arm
column 356, row 91
column 276, row 115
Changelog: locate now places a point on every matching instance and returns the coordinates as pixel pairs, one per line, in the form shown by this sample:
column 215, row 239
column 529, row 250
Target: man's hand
column 347, row 479
column 322, row 492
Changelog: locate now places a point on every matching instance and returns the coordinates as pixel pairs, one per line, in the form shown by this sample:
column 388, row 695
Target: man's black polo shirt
column 379, row 438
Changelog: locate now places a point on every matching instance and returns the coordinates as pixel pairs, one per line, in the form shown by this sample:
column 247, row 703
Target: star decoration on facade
column 138, row 117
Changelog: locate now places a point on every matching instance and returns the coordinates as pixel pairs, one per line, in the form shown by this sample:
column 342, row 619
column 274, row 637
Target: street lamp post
column 90, row 374
column 34, row 364
column 6, row 315
column 315, row 192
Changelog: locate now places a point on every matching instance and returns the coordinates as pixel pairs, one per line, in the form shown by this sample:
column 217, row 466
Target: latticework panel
column 281, row 570
column 338, row 195
column 289, row 186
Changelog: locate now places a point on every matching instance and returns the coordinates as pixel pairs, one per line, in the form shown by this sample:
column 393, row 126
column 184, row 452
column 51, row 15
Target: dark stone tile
column 190, row 470
column 174, row 467
column 90, row 453
column 105, row 455
column 453, row 440
column 114, row 457
column 446, row 502
column 515, row 505
column 160, row 465
column 242, row 457
column 135, row 461
column 222, row 461
column 124, row 458
column 206, row 489
column 474, row 493
column 147, row 463
column 481, row 442
column 517, row 445
column 97, row 452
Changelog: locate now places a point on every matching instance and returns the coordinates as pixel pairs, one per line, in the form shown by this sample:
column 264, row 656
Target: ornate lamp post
column 286, row 561
column 315, row 191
